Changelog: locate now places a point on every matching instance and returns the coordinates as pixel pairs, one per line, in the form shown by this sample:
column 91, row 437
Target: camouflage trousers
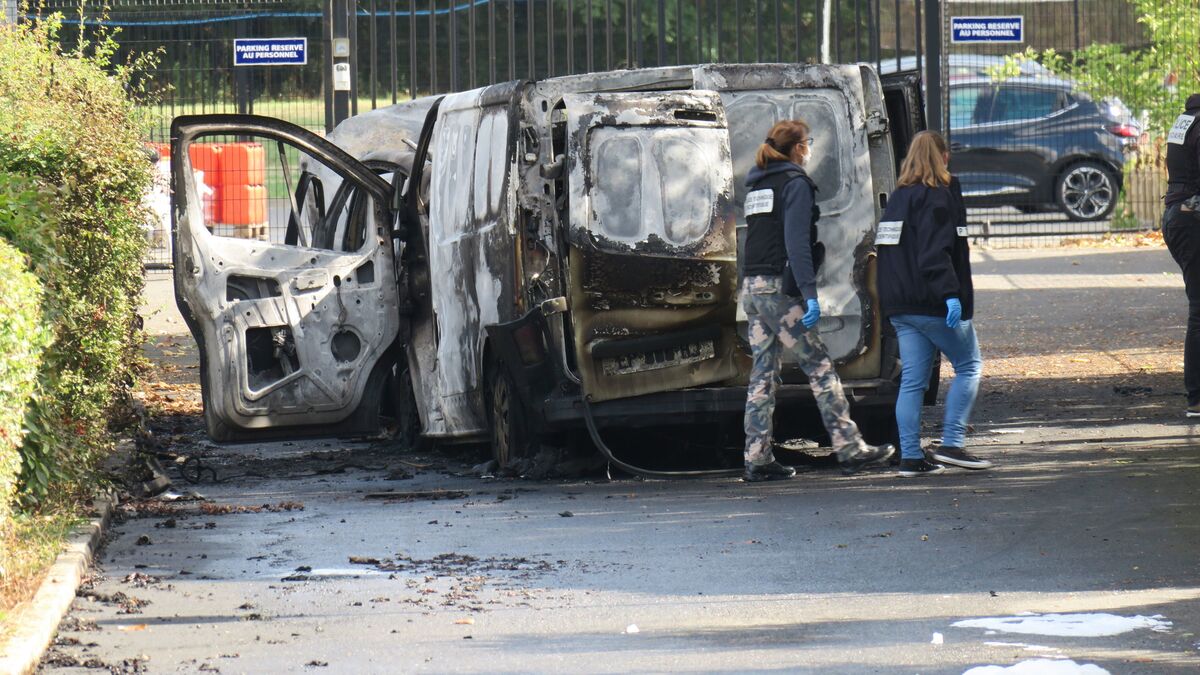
column 774, row 326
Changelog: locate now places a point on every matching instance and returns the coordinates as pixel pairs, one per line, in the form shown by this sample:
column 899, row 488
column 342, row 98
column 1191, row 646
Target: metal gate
column 398, row 49
column 1052, row 145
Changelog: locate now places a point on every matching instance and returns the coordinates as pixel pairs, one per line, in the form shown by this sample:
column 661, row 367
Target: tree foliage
column 1155, row 78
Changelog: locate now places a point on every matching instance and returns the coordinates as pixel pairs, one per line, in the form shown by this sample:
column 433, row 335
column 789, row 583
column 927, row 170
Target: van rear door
column 831, row 99
column 652, row 258
column 284, row 274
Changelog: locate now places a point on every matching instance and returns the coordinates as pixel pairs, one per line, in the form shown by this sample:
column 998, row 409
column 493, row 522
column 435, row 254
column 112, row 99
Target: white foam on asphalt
column 1068, row 625
column 1028, row 648
column 1040, row 667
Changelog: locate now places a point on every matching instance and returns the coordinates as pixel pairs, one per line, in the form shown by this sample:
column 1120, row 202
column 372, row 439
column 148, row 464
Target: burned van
column 523, row 259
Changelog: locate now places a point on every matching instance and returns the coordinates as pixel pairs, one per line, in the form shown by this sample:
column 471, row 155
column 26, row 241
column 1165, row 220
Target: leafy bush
column 22, row 339
column 66, row 121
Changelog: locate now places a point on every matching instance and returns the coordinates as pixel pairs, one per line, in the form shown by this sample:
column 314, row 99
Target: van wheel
column 509, row 441
column 1086, row 191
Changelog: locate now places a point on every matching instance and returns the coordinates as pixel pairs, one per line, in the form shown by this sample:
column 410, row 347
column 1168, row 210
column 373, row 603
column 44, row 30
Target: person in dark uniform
column 927, row 294
column 1181, row 231
column 779, row 295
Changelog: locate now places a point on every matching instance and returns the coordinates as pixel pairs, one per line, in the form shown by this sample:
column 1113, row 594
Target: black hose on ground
column 637, row 471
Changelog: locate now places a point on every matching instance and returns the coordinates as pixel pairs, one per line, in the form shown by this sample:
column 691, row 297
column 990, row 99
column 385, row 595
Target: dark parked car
column 1038, row 144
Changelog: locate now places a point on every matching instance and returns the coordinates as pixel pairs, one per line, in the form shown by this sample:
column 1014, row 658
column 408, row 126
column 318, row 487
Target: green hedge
column 67, row 122
column 22, row 338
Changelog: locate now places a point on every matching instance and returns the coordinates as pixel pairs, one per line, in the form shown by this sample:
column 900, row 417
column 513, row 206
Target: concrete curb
column 38, row 621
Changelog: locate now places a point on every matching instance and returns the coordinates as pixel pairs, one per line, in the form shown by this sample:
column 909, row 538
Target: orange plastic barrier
column 206, row 157
column 243, row 164
column 243, row 204
column 236, row 172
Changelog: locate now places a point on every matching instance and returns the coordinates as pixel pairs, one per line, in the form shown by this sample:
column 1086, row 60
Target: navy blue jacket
column 798, row 201
column 931, row 263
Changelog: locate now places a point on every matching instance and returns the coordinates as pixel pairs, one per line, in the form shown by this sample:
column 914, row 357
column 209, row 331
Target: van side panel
column 471, row 247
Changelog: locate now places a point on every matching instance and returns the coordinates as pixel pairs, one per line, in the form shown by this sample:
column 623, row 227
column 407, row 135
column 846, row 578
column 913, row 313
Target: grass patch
column 26, row 553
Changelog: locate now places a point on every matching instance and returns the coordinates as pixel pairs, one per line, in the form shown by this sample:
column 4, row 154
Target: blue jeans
column 920, row 337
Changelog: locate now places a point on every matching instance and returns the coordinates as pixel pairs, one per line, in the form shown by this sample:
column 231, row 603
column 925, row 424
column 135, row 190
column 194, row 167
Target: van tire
column 506, row 418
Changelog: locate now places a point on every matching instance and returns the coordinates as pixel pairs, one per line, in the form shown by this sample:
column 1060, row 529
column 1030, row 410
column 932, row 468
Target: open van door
column 284, row 274
column 905, row 109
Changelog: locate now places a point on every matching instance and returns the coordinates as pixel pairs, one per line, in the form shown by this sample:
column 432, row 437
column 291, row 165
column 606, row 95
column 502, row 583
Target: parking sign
column 987, row 29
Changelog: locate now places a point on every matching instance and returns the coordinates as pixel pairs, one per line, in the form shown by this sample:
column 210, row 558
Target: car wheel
column 508, row 440
column 1086, row 191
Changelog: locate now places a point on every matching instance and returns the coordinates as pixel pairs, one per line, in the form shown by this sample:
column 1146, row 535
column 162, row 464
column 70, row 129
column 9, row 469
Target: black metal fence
column 1008, row 119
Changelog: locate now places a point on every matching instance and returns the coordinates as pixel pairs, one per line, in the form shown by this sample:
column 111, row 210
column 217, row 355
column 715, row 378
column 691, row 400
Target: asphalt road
column 1091, row 510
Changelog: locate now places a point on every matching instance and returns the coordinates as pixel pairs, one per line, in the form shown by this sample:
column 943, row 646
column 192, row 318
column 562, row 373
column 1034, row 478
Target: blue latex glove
column 953, row 312
column 813, row 314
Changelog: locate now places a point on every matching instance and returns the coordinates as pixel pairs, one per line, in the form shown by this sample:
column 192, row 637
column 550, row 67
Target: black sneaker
column 910, row 468
column 774, row 471
column 960, row 458
column 873, row 454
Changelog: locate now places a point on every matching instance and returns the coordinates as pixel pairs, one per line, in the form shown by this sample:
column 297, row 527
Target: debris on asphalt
column 143, row 540
column 361, row 560
column 938, row 639
column 399, row 473
column 417, row 495
column 185, row 496
column 211, row 509
column 127, row 603
column 465, row 622
column 484, row 470
column 566, row 514
column 631, row 629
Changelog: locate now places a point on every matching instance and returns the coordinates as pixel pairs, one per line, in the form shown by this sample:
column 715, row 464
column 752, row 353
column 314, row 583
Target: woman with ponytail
column 925, row 288
column 779, row 294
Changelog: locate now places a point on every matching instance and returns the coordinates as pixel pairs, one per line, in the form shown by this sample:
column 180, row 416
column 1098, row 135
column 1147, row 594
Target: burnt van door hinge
column 877, row 124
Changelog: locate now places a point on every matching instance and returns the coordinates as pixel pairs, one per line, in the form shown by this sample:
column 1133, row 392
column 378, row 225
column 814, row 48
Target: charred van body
column 532, row 257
